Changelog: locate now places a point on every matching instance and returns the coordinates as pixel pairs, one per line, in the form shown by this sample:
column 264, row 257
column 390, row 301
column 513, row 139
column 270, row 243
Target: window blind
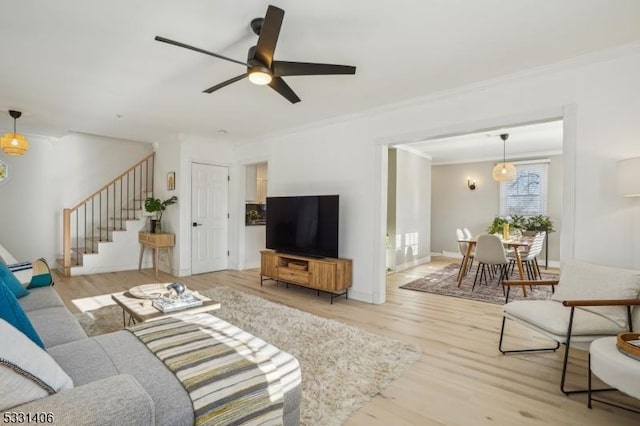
column 526, row 195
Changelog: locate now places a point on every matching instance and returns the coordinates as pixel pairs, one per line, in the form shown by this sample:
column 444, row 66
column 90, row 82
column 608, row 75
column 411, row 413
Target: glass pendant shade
column 14, row 143
column 504, row 172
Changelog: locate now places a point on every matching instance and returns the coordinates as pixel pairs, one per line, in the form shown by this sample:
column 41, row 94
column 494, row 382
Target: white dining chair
column 529, row 256
column 490, row 253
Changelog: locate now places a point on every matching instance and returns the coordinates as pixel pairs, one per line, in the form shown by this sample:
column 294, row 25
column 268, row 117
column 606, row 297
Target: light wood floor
column 461, row 378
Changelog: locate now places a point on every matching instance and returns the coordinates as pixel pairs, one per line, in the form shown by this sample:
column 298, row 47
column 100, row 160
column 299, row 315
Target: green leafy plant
column 524, row 223
column 540, row 223
column 518, row 222
column 253, row 215
column 154, row 205
column 496, row 225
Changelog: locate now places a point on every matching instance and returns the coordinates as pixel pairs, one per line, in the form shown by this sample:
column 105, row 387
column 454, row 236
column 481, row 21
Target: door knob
column 196, row 224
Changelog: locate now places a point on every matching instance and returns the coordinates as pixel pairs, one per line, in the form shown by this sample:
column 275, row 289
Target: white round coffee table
column 614, row 368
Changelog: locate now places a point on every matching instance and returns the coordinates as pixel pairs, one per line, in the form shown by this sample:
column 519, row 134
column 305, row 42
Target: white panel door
column 209, row 218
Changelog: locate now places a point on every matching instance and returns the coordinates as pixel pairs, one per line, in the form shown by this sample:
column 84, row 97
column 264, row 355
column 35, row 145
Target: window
column 526, row 195
column 3, row 171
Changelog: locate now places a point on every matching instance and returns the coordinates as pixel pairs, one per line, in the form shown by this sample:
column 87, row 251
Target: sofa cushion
column 83, row 360
column 44, row 297
column 26, row 371
column 553, row 318
column 116, row 400
column 584, row 281
column 11, row 312
column 129, row 356
column 56, row 325
column 12, row 283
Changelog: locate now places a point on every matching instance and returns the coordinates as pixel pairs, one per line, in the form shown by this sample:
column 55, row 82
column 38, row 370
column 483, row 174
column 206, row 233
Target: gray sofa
column 117, row 380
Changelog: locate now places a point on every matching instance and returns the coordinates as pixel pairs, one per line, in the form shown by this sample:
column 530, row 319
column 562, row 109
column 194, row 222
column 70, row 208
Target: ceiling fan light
column 504, row 172
column 261, row 78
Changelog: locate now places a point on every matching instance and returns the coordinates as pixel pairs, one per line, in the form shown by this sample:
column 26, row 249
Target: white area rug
column 342, row 366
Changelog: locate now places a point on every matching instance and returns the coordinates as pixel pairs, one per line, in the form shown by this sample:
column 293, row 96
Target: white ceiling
column 90, row 66
column 528, row 141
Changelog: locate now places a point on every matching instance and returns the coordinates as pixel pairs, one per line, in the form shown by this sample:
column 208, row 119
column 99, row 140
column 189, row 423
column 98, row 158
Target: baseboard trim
column 411, row 264
column 452, row 254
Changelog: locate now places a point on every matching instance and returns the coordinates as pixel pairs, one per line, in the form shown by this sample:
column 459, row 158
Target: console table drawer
column 293, row 275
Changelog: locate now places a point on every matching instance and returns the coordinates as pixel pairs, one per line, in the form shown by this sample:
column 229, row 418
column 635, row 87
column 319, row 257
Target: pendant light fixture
column 14, row 143
column 504, row 172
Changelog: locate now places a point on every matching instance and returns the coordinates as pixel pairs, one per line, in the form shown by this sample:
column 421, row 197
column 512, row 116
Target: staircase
column 100, row 234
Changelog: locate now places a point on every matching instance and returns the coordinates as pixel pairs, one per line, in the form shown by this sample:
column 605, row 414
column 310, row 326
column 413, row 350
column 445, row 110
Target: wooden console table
column 326, row 275
column 155, row 242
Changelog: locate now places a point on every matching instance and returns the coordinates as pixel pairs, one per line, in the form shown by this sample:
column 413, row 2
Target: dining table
column 515, row 242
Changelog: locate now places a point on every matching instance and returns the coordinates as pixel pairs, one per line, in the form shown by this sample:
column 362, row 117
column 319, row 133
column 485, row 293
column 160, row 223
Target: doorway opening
column 463, row 194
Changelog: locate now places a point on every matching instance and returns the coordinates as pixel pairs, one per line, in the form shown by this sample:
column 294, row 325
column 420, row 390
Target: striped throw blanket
column 229, row 374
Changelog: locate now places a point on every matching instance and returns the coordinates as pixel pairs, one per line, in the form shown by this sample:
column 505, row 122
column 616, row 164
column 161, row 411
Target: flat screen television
column 304, row 225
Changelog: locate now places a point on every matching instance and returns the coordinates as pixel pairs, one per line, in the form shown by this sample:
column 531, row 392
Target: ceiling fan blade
column 197, row 49
column 283, row 88
column 269, row 35
column 283, row 68
column 225, row 83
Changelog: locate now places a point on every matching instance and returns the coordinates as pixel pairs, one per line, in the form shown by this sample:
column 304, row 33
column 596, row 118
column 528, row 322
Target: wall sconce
column 471, row 183
column 628, row 173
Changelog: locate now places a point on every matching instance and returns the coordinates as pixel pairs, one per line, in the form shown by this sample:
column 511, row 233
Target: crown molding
column 563, row 65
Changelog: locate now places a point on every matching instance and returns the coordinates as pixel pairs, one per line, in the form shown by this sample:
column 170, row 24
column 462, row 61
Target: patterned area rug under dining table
column 444, row 281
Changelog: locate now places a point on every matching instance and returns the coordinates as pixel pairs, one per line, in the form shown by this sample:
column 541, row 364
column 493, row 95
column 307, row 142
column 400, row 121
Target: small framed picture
column 171, row 181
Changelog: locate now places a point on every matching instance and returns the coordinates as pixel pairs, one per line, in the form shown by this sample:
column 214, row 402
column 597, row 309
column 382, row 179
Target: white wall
column 255, row 237
column 332, row 160
column 412, row 239
column 56, row 174
column 597, row 96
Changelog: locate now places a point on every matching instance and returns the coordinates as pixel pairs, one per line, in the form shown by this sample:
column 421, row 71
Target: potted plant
column 539, row 223
column 154, row 205
column 254, row 216
column 496, row 226
column 519, row 222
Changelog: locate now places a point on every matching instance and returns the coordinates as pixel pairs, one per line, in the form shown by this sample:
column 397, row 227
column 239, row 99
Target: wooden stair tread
column 98, row 240
column 74, row 262
column 83, row 250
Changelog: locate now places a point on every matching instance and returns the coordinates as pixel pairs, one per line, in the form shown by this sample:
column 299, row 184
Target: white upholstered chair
column 590, row 301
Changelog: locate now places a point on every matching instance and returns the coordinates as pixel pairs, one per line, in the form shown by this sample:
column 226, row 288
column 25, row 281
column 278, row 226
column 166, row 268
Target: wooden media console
column 328, row 275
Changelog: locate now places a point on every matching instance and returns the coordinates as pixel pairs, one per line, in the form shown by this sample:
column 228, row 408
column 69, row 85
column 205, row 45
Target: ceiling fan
column 262, row 69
